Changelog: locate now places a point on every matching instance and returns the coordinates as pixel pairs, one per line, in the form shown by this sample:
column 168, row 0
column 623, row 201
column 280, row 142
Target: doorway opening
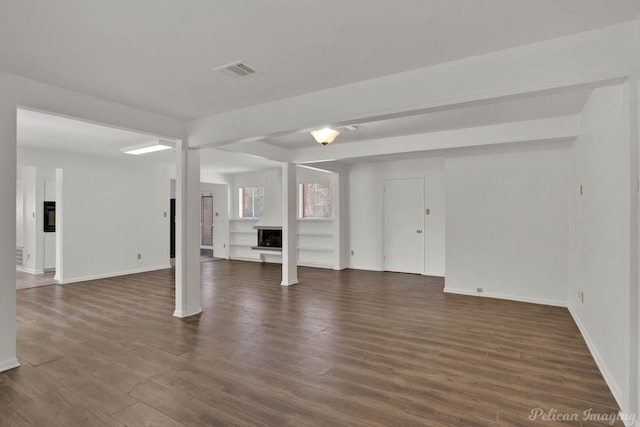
column 206, row 225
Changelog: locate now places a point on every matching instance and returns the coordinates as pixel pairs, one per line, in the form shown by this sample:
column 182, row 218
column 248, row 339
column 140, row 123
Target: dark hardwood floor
column 348, row 348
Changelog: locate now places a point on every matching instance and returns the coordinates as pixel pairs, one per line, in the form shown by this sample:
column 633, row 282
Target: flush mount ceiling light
column 325, row 136
column 148, row 147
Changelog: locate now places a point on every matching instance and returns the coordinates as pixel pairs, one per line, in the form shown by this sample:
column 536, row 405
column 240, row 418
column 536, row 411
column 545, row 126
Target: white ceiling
column 158, row 55
column 45, row 131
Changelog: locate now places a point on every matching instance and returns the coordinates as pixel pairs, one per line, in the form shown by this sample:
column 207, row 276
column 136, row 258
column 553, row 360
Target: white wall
column 110, row 216
column 600, row 233
column 366, row 184
column 507, row 223
column 112, row 209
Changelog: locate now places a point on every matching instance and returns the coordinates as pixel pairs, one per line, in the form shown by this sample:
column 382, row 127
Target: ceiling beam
column 590, row 58
column 554, row 129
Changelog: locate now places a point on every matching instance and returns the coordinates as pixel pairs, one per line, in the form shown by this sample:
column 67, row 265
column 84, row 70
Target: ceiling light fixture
column 148, row 148
column 325, row 136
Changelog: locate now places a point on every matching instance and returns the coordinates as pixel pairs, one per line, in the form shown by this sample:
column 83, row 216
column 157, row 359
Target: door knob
column 419, row 231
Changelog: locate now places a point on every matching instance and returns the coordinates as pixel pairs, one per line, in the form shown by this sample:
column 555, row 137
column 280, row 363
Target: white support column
column 7, row 237
column 289, row 226
column 634, row 291
column 188, row 291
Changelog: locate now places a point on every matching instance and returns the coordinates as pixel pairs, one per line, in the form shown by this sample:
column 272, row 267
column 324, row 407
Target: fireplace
column 269, row 239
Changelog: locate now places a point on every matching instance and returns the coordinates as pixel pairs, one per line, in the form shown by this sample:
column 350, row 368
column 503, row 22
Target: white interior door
column 404, row 225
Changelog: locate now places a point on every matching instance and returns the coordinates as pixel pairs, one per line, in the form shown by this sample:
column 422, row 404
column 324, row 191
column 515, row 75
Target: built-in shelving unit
column 315, row 243
column 241, row 237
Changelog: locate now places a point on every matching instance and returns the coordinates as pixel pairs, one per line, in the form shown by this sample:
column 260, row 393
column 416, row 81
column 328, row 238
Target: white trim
column 315, row 265
column 181, row 314
column 606, row 374
column 530, row 300
column 30, row 271
column 248, row 259
column 289, row 283
column 380, row 270
column 9, row 364
column 107, row 275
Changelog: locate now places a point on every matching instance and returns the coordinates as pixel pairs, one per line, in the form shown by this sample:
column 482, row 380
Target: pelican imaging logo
column 553, row 415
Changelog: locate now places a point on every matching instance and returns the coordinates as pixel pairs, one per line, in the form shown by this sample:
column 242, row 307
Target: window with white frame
column 251, row 202
column 314, row 200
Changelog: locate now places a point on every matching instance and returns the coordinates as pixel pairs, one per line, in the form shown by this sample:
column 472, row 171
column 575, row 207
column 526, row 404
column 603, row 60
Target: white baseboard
column 542, row 301
column 351, row 267
column 182, row 314
column 30, row 271
column 107, row 275
column 9, row 364
column 608, row 378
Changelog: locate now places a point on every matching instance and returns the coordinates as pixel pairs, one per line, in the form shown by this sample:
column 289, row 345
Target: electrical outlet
column 165, row 214
column 139, row 256
column 224, row 245
column 352, row 252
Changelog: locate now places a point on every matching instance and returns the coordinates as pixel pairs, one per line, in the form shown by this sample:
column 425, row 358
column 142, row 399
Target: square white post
column 188, row 293
column 289, row 226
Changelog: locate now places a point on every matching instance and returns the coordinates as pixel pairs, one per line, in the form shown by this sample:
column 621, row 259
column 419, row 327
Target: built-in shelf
column 266, row 248
column 316, row 249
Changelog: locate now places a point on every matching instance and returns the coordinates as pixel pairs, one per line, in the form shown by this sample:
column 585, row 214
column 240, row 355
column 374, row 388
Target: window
column 251, row 202
column 315, row 200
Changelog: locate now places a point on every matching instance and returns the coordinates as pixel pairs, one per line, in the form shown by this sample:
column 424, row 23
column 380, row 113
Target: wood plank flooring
column 27, row 280
column 343, row 348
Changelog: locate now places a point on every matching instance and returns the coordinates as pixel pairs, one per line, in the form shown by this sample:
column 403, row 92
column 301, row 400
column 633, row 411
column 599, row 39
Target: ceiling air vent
column 351, row 128
column 236, row 70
